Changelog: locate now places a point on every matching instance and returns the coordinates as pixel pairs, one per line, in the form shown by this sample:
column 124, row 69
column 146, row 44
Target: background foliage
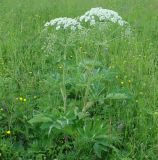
column 87, row 100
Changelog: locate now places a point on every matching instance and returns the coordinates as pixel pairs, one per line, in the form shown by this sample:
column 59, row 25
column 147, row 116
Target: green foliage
column 89, row 94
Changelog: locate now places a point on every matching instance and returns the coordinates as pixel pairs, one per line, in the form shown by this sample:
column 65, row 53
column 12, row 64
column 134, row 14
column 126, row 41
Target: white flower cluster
column 64, row 23
column 91, row 17
column 101, row 14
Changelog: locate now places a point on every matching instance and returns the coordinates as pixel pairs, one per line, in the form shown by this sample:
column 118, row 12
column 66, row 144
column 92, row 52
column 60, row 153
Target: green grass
column 63, row 86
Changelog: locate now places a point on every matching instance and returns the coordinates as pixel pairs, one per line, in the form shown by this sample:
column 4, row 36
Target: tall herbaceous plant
column 80, row 46
column 81, row 77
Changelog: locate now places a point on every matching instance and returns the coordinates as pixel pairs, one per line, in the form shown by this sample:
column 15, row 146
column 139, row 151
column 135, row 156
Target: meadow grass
column 35, row 82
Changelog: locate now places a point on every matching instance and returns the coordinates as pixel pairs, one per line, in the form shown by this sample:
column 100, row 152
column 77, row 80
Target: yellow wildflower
column 24, row 99
column 8, row 132
column 20, row 98
column 156, row 113
column 60, row 67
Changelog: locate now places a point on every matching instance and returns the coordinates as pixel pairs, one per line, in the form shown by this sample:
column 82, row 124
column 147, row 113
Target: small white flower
column 92, row 22
column 121, row 23
column 47, row 24
column 114, row 20
column 73, row 28
column 58, row 27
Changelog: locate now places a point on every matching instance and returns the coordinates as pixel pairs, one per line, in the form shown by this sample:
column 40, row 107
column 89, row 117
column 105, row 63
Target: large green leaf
column 98, row 149
column 117, row 96
column 40, row 118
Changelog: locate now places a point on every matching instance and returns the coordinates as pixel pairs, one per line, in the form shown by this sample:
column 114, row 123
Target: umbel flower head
column 102, row 15
column 64, row 23
column 91, row 17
